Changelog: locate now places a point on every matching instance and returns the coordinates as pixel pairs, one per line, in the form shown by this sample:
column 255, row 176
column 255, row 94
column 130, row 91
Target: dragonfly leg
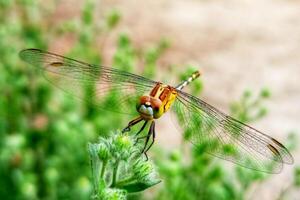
column 153, row 138
column 140, row 138
column 132, row 123
column 151, row 132
column 143, row 127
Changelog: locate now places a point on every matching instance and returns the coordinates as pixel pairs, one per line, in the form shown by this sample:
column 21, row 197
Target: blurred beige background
column 238, row 44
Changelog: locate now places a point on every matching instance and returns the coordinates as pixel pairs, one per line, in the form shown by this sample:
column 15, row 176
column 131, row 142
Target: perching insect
column 223, row 136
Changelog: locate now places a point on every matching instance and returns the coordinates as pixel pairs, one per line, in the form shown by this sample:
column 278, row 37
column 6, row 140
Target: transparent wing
column 107, row 88
column 220, row 135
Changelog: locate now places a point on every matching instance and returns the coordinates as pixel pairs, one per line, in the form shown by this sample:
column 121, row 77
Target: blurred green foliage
column 44, row 133
column 250, row 108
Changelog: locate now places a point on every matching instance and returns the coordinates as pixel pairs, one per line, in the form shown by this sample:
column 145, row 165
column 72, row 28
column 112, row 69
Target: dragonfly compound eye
column 156, row 103
column 144, row 100
column 157, row 107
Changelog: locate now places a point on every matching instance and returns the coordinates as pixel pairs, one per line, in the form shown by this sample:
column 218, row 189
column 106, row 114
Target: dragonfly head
column 149, row 107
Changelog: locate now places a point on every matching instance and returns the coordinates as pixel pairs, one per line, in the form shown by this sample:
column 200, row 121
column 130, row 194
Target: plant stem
column 115, row 174
column 103, row 169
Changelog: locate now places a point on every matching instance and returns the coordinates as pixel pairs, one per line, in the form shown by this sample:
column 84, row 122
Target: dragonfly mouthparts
column 144, row 109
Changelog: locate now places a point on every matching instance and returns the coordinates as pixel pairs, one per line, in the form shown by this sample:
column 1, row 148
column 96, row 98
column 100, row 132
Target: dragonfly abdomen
column 190, row 79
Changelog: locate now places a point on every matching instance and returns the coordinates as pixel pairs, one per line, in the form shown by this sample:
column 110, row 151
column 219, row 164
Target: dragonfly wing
column 225, row 137
column 107, row 88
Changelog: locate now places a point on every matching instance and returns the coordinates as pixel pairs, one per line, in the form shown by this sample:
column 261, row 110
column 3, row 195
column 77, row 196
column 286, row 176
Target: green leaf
column 139, row 186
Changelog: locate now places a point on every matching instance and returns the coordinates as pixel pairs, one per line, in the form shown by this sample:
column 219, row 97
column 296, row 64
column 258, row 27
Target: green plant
column 119, row 168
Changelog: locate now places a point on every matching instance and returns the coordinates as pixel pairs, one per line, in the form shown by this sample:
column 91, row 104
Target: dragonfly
column 209, row 128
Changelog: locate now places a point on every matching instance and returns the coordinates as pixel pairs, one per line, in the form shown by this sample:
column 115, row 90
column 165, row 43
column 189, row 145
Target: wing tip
column 287, row 157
